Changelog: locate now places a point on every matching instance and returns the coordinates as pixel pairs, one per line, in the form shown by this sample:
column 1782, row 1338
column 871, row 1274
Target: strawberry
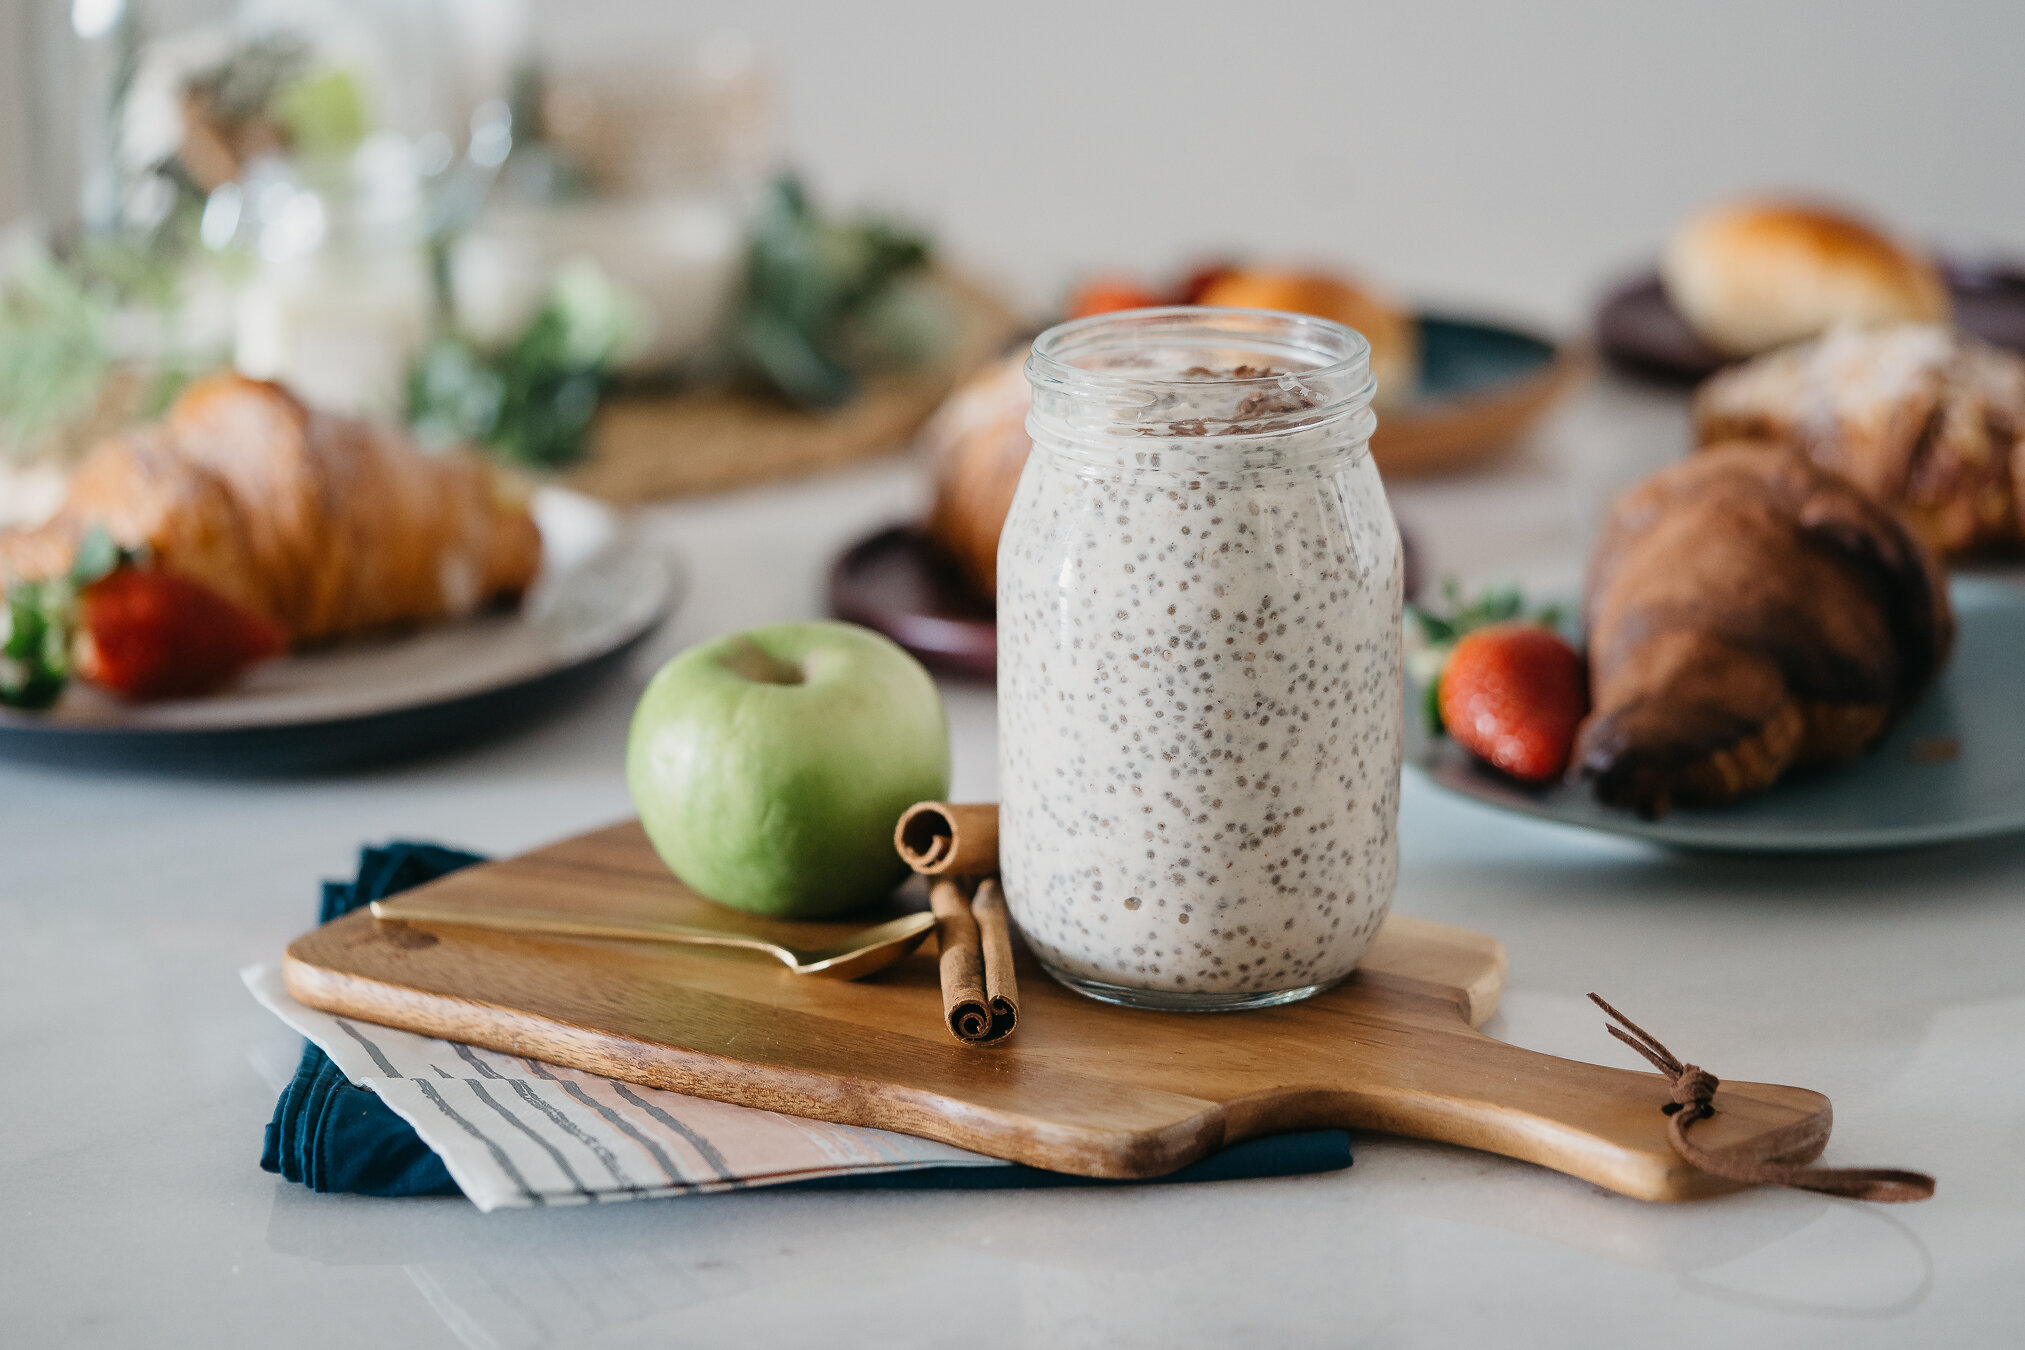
column 1512, row 695
column 149, row 634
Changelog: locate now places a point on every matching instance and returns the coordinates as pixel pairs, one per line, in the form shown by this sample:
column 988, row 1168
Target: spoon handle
column 570, row 925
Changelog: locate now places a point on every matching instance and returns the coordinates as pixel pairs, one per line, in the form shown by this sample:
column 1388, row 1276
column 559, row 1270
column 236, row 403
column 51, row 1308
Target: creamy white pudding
column 1200, row 696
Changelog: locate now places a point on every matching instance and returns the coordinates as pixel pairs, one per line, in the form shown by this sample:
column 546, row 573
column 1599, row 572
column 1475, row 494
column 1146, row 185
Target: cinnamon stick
column 965, row 1005
column 994, row 928
column 949, row 839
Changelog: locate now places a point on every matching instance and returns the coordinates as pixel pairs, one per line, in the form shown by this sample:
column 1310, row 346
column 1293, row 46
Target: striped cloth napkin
column 517, row 1132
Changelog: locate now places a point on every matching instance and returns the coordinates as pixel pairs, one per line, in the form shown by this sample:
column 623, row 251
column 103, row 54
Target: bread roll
column 977, row 444
column 1752, row 276
column 1391, row 331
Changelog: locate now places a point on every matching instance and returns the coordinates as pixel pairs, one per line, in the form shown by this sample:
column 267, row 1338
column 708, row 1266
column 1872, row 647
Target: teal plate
column 1462, row 357
column 1480, row 385
column 1900, row 795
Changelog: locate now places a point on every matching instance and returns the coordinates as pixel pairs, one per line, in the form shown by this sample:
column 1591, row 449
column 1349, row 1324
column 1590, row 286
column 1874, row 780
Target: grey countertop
column 136, row 1073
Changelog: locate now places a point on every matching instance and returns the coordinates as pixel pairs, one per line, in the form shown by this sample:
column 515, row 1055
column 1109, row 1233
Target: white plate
column 599, row 592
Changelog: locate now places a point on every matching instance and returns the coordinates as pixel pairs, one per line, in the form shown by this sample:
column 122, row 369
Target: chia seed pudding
column 1199, row 678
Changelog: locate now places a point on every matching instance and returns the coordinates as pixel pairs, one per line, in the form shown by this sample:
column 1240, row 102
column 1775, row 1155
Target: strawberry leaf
column 97, row 556
column 37, row 619
column 1430, row 707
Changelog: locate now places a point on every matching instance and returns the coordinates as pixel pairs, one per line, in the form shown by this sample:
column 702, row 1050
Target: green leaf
column 1430, row 707
column 823, row 303
column 533, row 400
column 36, row 623
column 1433, row 627
column 791, row 363
column 97, row 556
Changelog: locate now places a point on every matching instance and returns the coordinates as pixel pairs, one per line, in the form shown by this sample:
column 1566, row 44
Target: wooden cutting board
column 1081, row 1087
column 647, row 447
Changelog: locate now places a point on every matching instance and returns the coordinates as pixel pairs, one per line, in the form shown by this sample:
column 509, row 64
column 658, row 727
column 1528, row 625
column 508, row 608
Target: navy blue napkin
column 330, row 1135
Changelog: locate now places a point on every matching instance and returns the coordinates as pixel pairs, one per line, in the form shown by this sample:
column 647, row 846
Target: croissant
column 326, row 525
column 1750, row 612
column 1919, row 416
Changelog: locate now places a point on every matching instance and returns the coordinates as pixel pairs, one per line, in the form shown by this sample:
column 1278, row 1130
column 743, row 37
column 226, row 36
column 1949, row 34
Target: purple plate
column 895, row 582
column 1638, row 328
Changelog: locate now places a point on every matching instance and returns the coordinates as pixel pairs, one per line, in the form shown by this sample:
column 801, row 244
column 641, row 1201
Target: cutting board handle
column 1605, row 1125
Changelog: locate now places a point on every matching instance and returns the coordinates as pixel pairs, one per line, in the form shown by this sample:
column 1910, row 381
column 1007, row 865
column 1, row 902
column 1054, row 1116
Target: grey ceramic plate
column 1897, row 796
column 600, row 592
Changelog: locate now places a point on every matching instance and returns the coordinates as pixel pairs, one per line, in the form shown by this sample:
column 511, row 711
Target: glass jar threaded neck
column 1208, row 383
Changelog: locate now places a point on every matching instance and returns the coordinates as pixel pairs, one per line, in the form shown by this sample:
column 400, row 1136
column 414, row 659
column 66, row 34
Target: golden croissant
column 326, row 525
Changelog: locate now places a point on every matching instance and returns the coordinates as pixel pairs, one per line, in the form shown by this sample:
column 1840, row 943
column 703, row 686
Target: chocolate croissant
column 326, row 525
column 1749, row 613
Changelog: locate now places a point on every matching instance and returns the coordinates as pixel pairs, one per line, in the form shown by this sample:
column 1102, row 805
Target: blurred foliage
column 56, row 317
column 53, row 353
column 322, row 113
column 246, row 84
column 825, row 302
column 532, row 400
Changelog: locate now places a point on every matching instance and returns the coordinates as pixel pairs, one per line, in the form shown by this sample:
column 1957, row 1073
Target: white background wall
column 1513, row 155
column 13, row 110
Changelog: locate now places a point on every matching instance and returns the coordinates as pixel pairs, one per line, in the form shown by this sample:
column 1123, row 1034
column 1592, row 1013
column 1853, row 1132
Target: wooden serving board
column 654, row 447
column 1082, row 1087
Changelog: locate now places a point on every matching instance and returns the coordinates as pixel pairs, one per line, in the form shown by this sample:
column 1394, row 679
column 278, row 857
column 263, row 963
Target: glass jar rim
column 1345, row 352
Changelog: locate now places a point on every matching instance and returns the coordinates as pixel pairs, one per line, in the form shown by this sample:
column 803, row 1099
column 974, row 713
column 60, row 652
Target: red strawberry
column 146, row 634
column 1512, row 695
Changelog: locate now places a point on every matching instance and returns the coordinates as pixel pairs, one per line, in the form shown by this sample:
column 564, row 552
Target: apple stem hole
column 749, row 659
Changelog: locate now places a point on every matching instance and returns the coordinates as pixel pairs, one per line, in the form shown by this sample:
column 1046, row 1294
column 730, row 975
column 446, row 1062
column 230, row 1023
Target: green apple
column 769, row 767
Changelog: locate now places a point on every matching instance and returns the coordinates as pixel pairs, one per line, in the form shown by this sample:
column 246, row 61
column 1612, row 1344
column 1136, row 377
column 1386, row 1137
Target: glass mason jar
column 1199, row 660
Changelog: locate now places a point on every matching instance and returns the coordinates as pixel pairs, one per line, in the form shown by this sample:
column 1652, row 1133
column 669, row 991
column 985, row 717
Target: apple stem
column 754, row 662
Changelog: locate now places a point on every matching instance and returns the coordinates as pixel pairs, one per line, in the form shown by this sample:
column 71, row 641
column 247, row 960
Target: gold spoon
column 862, row 953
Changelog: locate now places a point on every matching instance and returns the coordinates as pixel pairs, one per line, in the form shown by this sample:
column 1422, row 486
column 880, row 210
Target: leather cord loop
column 1694, row 1091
